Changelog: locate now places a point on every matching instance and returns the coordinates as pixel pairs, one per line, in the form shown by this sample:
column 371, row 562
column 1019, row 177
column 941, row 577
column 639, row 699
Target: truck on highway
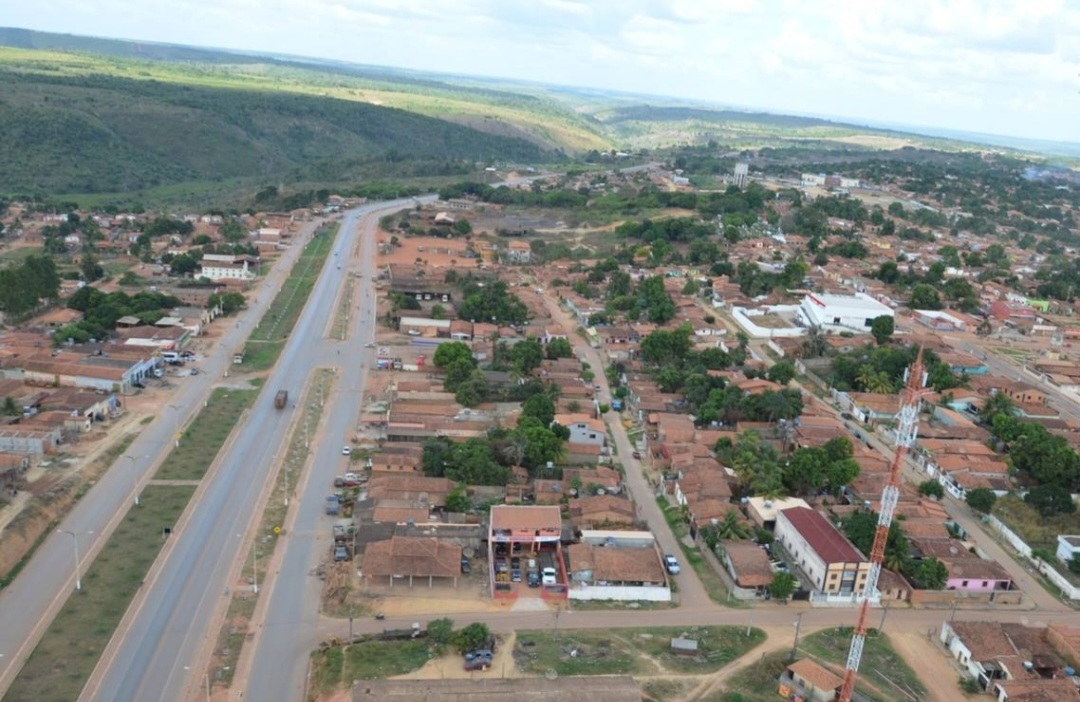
column 281, row 399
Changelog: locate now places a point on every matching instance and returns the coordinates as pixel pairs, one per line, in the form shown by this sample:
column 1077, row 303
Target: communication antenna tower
column 905, row 437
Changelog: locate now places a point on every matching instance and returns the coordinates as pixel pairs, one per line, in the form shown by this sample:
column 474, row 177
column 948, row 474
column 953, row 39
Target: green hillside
column 63, row 131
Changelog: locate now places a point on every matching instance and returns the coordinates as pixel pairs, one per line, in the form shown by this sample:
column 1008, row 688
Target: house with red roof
column 829, row 561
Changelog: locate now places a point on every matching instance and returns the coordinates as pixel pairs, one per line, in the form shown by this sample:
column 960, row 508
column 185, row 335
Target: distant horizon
column 1006, row 69
column 1044, row 147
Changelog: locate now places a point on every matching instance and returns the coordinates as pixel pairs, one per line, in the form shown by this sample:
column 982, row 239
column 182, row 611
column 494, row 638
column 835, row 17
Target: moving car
column 671, row 564
column 369, row 345
column 637, row 454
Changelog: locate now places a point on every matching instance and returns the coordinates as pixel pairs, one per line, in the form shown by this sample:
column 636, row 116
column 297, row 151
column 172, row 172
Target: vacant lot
column 71, row 646
column 883, row 674
column 338, row 666
column 204, row 437
column 631, row 651
column 756, row 682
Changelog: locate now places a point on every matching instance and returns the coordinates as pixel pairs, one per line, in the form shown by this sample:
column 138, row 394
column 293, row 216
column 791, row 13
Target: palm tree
column 997, row 403
column 731, row 527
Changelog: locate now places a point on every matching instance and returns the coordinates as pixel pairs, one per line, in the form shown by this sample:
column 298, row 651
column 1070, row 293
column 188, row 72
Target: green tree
column 441, row 631
column 981, row 499
column 559, row 348
column 447, row 354
column 457, row 500
column 472, row 637
column 540, row 407
column 929, row 574
column 438, row 312
column 782, row 586
column 925, row 297
column 782, row 372
column 472, row 391
column 997, row 403
column 882, row 328
column 458, row 373
column 462, row 227
column 10, row 408
column 667, row 347
column 526, row 356
column 90, row 268
column 1050, row 500
column 931, row 488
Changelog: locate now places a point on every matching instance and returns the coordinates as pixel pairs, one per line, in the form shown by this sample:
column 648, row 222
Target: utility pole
column 795, row 645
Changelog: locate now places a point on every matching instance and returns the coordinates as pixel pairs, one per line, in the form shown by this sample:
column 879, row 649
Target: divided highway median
column 268, row 339
column 69, row 650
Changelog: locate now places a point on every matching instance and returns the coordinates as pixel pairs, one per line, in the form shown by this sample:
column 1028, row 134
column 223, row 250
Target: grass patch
column 203, row 438
column 67, row 653
column 631, row 651
column 757, row 682
column 338, row 666
column 231, row 638
column 883, row 674
column 268, row 339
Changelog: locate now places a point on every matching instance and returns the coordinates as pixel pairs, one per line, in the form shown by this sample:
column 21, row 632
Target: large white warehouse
column 842, row 312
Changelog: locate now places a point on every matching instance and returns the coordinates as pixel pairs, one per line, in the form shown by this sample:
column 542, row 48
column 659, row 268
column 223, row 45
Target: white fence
column 626, row 593
column 742, row 318
column 1046, row 569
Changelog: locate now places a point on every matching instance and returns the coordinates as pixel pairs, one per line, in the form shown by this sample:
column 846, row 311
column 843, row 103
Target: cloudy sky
column 996, row 66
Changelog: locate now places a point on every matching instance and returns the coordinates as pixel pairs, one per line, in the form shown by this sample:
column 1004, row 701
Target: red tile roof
column 822, row 536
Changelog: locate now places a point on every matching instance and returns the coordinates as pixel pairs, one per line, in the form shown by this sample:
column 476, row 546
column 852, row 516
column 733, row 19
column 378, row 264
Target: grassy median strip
column 268, row 339
column 67, row 653
column 203, row 438
column 234, row 629
column 71, row 646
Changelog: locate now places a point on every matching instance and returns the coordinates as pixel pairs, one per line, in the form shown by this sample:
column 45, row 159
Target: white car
column 671, row 564
column 346, row 450
column 369, row 345
column 549, row 576
column 413, row 332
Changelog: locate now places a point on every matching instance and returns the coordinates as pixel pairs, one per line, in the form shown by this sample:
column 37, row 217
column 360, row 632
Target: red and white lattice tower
column 905, row 437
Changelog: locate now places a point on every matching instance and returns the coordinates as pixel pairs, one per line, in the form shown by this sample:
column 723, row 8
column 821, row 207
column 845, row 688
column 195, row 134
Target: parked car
column 533, row 579
column 369, row 345
column 515, row 575
column 465, row 567
column 477, row 663
column 637, row 454
column 346, row 450
column 846, row 415
column 333, row 505
column 549, row 576
column 672, row 564
column 341, row 553
column 194, row 371
column 413, row 332
column 339, row 482
column 515, row 562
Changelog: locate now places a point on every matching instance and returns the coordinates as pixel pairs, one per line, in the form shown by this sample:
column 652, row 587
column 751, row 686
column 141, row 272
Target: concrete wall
column 743, row 316
column 1047, row 569
column 582, row 591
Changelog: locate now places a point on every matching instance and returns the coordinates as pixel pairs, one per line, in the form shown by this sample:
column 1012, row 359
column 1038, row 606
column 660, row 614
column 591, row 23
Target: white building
column 583, row 429
column 827, row 559
column 742, row 172
column 215, row 270
column 813, row 180
column 842, row 312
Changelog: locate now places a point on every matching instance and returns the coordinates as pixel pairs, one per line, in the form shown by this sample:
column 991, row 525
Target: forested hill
column 64, row 132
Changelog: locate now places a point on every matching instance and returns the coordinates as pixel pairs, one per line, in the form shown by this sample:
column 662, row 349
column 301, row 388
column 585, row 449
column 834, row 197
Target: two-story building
column 829, row 561
column 525, row 532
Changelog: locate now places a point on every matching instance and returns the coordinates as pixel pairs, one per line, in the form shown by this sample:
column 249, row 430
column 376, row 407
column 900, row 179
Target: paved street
column 289, row 633
column 32, row 600
column 691, row 593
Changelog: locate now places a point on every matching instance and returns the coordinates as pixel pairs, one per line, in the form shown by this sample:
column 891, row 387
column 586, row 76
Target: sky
column 1007, row 67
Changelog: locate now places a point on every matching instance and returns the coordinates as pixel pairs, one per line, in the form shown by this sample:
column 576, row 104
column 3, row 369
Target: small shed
column 686, row 647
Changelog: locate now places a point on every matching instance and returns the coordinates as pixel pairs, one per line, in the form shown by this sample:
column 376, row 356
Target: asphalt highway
column 32, row 600
column 175, row 614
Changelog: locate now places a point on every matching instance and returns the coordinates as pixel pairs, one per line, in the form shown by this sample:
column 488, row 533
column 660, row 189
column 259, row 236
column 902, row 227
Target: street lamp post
column 134, row 478
column 176, row 424
column 75, row 541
